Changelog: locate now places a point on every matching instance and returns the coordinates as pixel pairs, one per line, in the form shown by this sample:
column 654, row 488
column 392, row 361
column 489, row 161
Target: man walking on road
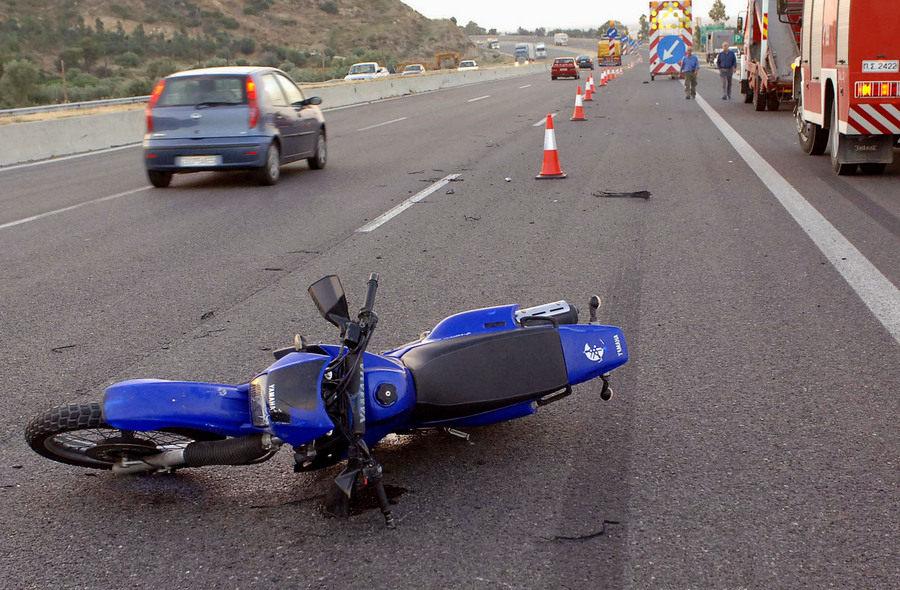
column 689, row 69
column 726, row 61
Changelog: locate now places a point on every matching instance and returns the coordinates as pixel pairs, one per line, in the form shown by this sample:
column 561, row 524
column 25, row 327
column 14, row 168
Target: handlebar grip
column 370, row 293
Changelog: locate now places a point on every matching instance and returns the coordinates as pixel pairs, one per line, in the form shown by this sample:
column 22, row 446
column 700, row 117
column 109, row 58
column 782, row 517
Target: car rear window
column 563, row 60
column 194, row 90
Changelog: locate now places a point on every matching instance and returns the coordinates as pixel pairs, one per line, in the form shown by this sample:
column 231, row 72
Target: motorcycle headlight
column 259, row 410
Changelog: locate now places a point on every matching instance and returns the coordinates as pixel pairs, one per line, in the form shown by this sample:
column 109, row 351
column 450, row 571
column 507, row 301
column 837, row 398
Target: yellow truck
column 609, row 52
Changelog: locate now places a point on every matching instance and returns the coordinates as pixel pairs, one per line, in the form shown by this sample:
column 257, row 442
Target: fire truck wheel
column 772, row 101
column 759, row 98
column 813, row 138
column 835, row 140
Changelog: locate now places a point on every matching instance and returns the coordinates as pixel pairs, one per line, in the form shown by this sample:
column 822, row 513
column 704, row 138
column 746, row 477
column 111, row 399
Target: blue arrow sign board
column 671, row 49
column 612, row 32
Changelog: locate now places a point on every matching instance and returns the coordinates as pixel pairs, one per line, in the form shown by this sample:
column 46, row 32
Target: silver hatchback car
column 231, row 118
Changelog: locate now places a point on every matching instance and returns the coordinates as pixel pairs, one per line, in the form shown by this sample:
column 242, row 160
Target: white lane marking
column 64, row 209
column 543, row 121
column 879, row 294
column 382, row 219
column 72, row 157
column 385, row 123
column 526, row 86
column 479, row 98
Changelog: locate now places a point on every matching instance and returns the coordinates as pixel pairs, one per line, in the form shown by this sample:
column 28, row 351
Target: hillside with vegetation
column 54, row 51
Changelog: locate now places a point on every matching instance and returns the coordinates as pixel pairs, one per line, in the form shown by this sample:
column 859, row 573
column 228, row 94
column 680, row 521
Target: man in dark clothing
column 726, row 61
column 690, row 68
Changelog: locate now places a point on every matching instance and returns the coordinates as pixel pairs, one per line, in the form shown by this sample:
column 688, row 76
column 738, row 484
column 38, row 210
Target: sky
column 550, row 14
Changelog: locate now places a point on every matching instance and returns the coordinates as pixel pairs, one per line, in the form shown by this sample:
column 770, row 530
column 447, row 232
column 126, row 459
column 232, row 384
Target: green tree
column 717, row 12
column 160, row 68
column 645, row 28
column 473, row 29
column 18, row 80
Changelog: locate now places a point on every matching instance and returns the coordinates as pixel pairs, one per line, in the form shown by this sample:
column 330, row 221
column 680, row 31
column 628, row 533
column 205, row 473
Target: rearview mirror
column 328, row 295
column 740, row 23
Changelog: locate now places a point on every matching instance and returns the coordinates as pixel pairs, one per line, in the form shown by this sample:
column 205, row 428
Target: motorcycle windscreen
column 591, row 351
column 293, row 398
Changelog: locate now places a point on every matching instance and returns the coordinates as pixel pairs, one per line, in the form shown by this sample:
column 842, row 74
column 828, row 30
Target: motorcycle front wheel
column 75, row 434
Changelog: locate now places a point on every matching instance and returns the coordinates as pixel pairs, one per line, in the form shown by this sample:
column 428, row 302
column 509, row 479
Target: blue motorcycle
column 334, row 403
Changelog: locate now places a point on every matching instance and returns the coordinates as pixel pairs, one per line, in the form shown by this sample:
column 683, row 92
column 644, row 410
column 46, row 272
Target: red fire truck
column 847, row 82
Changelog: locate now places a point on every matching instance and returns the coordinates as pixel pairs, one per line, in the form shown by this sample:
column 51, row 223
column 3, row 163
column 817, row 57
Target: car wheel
column 159, row 179
column 271, row 169
column 318, row 160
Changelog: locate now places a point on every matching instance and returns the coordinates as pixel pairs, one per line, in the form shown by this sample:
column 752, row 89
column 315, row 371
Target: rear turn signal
column 152, row 103
column 877, row 89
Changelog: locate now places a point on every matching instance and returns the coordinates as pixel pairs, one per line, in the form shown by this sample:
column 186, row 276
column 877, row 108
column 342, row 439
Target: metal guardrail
column 73, row 106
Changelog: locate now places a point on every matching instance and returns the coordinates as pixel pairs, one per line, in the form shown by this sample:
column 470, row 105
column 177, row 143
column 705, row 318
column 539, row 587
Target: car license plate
column 881, row 65
column 198, row 161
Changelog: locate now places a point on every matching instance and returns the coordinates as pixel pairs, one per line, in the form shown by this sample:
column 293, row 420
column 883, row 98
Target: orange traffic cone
column 587, row 91
column 603, row 78
column 578, row 115
column 551, row 167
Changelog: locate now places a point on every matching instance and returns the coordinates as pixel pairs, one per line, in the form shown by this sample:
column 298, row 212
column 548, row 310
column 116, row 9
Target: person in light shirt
column 690, row 66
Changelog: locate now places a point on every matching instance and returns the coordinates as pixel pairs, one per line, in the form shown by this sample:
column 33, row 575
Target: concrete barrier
column 40, row 140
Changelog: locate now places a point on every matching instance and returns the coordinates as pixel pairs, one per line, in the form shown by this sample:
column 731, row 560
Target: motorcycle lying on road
column 335, row 402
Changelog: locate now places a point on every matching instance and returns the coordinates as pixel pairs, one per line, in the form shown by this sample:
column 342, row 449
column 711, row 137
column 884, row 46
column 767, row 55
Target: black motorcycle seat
column 478, row 373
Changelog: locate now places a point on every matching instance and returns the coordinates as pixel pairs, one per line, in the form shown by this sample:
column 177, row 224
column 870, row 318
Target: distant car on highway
column 564, row 67
column 231, row 118
column 585, row 62
column 467, row 64
column 413, row 69
column 365, row 71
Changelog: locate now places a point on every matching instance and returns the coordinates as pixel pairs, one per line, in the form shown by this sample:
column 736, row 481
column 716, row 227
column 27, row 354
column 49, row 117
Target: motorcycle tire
column 75, row 434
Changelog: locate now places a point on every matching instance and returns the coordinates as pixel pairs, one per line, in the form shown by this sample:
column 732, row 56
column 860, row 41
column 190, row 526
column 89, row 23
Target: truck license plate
column 881, row 65
column 198, row 161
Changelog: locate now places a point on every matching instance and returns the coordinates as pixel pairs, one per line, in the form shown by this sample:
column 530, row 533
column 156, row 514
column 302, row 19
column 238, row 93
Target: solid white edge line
column 879, row 294
column 384, row 218
column 71, row 157
column 385, row 123
column 72, row 207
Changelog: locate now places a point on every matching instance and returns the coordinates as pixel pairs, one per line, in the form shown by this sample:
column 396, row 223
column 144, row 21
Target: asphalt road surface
column 751, row 443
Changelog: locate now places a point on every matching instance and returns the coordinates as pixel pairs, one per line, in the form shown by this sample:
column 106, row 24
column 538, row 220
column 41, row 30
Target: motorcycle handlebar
column 370, row 293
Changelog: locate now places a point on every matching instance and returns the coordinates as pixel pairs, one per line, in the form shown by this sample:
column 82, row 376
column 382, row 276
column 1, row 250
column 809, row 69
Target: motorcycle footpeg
column 458, row 433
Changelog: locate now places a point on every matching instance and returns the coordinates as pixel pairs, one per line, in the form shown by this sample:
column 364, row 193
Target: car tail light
column 251, row 101
column 152, row 103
